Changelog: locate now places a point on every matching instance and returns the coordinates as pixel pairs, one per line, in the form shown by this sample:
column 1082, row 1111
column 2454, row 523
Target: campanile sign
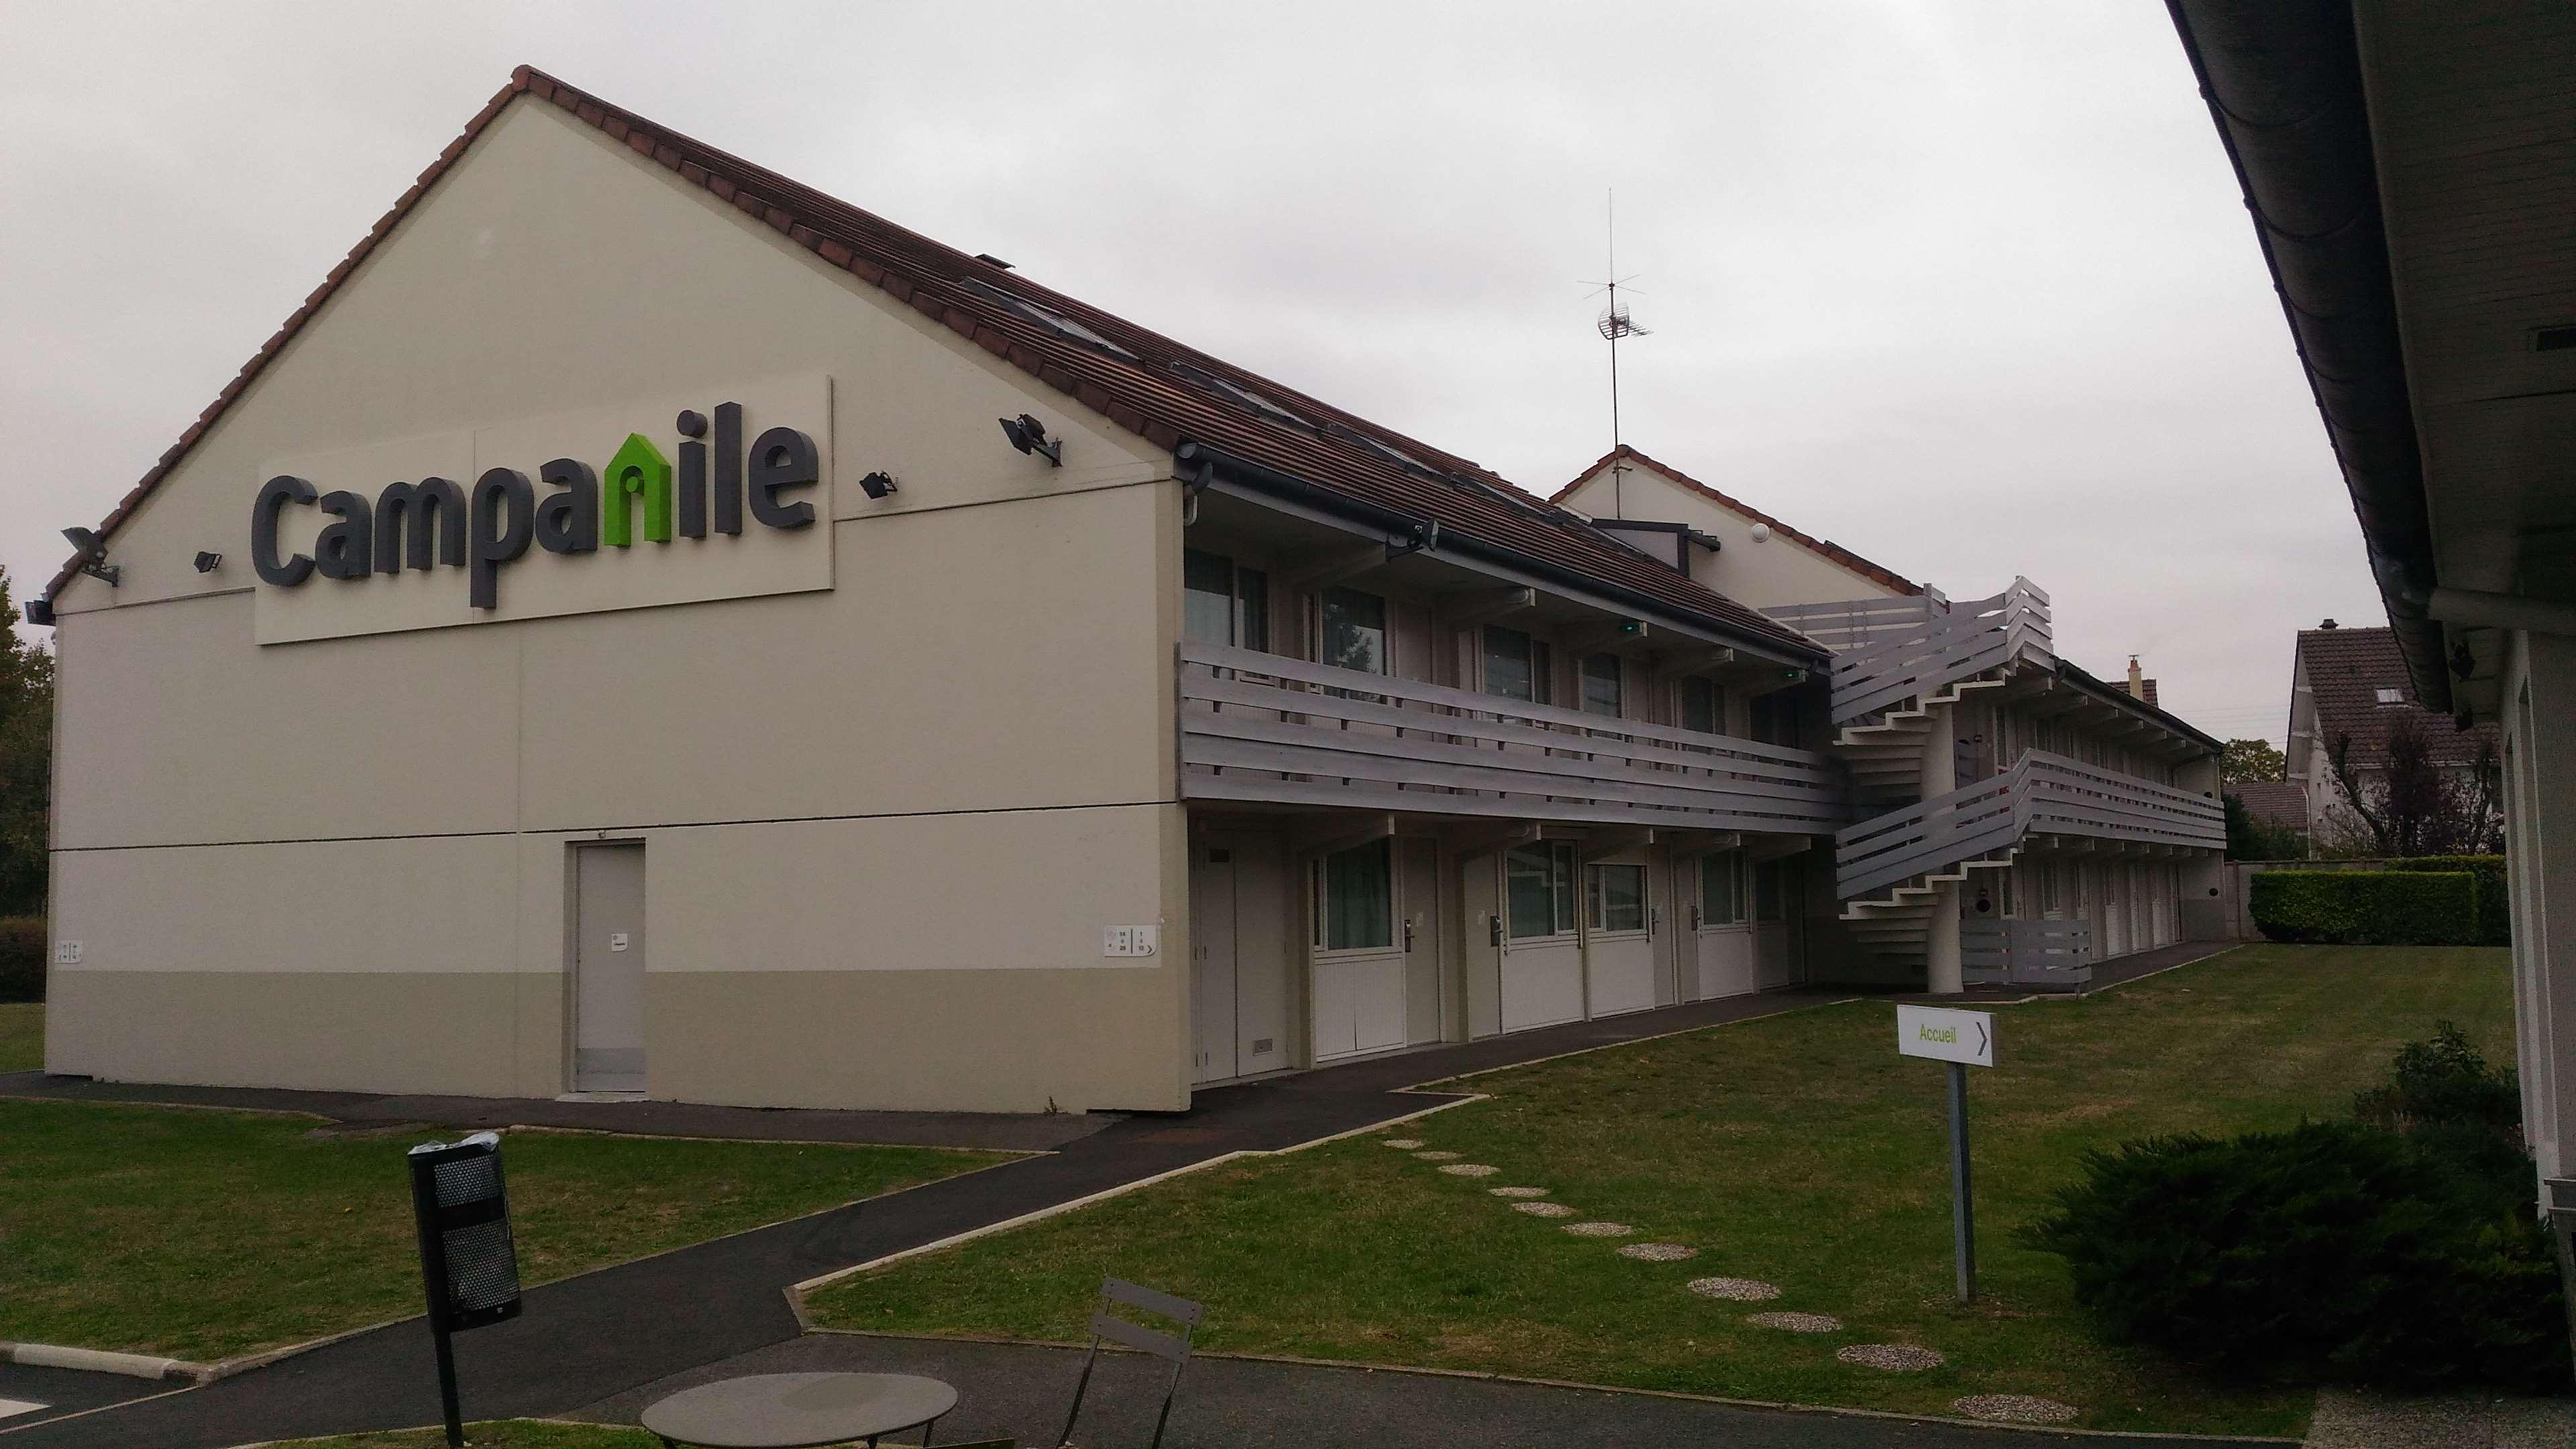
column 722, row 493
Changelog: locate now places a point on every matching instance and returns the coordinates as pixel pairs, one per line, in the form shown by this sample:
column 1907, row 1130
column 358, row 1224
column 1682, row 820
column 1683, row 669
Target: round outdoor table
column 799, row 1411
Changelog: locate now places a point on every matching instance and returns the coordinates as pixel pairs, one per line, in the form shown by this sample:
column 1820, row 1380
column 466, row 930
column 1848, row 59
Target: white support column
column 1943, row 973
column 2539, row 712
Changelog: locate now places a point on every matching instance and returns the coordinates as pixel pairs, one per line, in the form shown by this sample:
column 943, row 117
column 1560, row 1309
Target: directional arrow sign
column 1946, row 1035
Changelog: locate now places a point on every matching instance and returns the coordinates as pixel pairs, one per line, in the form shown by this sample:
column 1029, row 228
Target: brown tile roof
column 1829, row 549
column 1142, row 381
column 2274, row 804
column 2346, row 669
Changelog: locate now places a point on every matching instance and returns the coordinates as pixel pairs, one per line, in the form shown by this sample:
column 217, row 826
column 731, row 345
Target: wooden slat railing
column 2042, row 793
column 1942, row 647
column 1260, row 726
column 2026, row 953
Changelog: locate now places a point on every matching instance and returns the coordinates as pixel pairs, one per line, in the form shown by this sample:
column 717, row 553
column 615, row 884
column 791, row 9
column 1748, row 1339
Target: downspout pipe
column 1192, row 455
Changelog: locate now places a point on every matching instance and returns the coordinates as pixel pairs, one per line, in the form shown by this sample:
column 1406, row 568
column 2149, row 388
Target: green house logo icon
column 638, row 471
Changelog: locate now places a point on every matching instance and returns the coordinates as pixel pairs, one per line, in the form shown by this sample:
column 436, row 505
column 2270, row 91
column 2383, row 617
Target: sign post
column 1963, row 1039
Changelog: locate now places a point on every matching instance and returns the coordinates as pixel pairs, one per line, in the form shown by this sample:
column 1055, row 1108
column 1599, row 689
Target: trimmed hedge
column 2367, row 907
column 22, row 958
column 2495, row 920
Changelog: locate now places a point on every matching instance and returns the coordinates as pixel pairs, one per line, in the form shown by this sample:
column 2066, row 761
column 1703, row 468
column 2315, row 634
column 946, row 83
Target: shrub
column 22, row 958
column 2495, row 907
column 2367, row 908
column 2335, row 1252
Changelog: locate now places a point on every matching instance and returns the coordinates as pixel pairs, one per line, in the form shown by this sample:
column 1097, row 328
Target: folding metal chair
column 1146, row 1340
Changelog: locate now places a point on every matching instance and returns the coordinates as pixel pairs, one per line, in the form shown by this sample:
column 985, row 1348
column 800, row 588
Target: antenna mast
column 1614, row 322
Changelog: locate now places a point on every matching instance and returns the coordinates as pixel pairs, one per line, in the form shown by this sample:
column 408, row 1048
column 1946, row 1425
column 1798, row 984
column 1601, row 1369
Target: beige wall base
column 972, row 1041
column 471, row 1033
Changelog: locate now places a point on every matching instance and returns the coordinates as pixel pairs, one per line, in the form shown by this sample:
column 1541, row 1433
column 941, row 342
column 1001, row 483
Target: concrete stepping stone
column 1468, row 1169
column 1517, row 1191
column 1657, row 1252
column 1406, row 1143
column 1797, row 1322
column 1545, row 1209
column 2015, row 1409
column 1599, row 1230
column 1896, row 1358
column 1735, row 1290
column 1438, row 1156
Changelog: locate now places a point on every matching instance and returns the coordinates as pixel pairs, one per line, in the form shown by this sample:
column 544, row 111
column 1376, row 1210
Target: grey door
column 1212, row 963
column 608, row 969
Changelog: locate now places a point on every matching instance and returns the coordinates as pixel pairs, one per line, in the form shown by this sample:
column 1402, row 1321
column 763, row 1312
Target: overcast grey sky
column 1964, row 287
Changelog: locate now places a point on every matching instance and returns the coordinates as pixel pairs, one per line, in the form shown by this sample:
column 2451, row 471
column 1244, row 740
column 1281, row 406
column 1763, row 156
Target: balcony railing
column 2042, row 794
column 2026, row 953
column 1265, row 727
column 1910, row 648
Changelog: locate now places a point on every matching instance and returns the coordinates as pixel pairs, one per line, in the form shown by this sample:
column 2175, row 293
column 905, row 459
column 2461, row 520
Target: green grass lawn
column 493, row 1434
column 22, row 1036
column 1800, row 1150
column 202, row 1235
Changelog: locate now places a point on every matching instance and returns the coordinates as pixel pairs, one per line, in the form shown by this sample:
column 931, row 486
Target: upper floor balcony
column 1264, row 727
column 2041, row 794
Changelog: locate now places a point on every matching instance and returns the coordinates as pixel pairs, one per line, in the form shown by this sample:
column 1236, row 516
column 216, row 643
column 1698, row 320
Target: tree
column 26, row 762
column 2250, row 839
column 2252, row 760
column 2414, row 806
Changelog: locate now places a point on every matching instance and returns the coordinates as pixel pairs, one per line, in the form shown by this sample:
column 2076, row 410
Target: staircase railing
column 1946, row 645
column 2042, row 794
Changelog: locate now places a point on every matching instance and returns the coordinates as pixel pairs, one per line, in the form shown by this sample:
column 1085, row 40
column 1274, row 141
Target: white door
column 1542, row 954
column 1240, row 943
column 1359, row 958
column 1212, row 963
column 1618, row 939
column 608, row 968
column 1779, row 919
column 1424, row 911
column 1722, row 939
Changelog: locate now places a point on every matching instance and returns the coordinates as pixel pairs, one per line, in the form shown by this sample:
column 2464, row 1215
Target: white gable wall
column 1768, row 575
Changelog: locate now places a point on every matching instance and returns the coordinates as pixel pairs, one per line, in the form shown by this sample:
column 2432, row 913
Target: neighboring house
column 624, row 656
column 2019, row 817
column 2280, row 805
column 2352, row 684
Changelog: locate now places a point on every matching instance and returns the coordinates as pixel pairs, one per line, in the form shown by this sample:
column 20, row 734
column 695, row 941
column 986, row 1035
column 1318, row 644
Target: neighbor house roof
column 1140, row 380
column 2274, row 804
column 2346, row 670
column 1834, row 551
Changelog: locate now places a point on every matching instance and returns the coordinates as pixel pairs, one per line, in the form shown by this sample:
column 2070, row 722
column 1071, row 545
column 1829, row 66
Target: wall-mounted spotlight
column 208, row 562
column 92, row 555
column 877, row 485
column 1029, row 436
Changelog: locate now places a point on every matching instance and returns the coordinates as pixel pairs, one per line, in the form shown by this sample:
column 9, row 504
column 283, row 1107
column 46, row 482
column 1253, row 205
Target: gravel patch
column 1469, row 1169
column 1407, row 1143
column 1517, row 1191
column 1437, row 1156
column 1545, row 1209
column 2015, row 1409
column 1797, row 1322
column 1657, row 1252
column 1599, row 1230
column 1735, row 1290
column 1896, row 1358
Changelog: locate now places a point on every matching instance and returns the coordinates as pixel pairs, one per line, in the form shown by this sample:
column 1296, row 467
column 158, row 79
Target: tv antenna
column 1615, row 322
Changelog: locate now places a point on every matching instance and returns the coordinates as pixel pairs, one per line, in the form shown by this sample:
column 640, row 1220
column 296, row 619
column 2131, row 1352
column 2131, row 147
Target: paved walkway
column 589, row 1338
column 2351, row 1420
column 1023, row 1391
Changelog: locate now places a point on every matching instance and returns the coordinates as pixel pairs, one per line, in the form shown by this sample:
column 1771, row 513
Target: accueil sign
column 574, row 514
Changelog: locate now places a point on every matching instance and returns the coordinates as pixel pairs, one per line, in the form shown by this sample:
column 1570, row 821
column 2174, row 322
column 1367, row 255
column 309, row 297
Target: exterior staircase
column 1899, row 662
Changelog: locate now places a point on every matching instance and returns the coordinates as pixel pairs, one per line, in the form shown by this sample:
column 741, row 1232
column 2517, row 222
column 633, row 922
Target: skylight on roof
column 1046, row 317
column 1238, row 392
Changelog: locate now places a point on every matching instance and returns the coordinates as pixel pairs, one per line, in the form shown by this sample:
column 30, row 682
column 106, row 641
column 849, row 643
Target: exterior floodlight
column 92, row 555
column 208, row 562
column 468, row 1262
column 1029, row 436
column 877, row 485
